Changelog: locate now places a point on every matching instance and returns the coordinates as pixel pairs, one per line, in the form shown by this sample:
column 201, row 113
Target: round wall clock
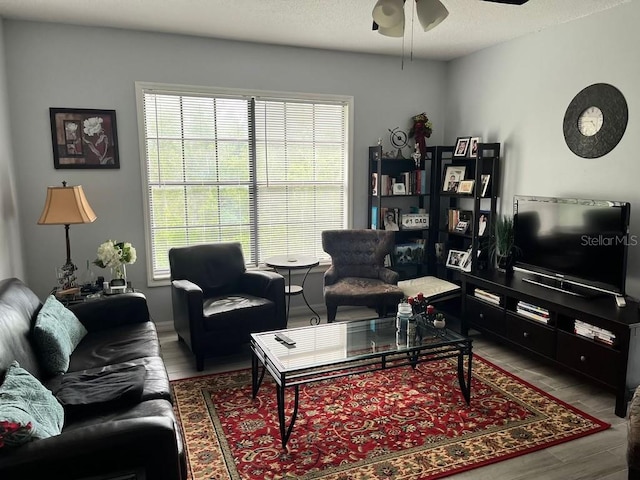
column 595, row 120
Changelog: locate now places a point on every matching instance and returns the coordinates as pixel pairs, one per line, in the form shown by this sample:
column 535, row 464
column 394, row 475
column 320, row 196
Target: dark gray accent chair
column 357, row 275
column 217, row 303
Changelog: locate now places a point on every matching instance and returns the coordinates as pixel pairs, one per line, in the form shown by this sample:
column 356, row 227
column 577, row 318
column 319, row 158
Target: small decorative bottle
column 402, row 321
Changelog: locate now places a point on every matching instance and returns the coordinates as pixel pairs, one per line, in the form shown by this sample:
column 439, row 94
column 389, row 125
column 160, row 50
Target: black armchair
column 357, row 275
column 217, row 303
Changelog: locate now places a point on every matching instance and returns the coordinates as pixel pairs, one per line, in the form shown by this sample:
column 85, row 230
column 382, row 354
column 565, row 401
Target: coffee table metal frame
column 437, row 347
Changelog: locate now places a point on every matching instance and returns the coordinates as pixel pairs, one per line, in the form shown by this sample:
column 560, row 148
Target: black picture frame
column 462, row 147
column 84, row 138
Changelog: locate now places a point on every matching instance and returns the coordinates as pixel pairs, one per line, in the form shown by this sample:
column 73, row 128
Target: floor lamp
column 66, row 206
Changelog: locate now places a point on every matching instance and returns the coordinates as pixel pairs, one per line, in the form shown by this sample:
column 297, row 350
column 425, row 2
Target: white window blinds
column 267, row 172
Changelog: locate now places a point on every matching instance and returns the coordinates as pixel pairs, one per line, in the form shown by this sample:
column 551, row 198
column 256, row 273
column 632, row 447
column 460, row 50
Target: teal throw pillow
column 56, row 334
column 28, row 411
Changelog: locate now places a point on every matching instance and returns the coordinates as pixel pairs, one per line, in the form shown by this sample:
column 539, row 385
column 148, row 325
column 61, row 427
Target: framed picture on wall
column 84, row 138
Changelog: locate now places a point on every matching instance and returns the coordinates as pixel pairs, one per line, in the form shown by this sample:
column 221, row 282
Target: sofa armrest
column 389, row 276
column 149, row 443
column 112, row 311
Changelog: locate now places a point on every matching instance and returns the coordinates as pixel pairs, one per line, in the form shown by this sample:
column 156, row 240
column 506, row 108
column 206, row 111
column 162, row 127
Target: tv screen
column 584, row 241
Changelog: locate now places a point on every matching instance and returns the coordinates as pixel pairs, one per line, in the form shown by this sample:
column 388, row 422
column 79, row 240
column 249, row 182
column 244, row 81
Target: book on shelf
column 375, row 217
column 594, row 333
column 533, row 308
column 532, row 311
column 532, row 316
column 487, row 296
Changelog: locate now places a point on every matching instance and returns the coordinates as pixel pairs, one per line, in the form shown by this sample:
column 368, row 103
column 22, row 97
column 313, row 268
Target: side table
column 290, row 263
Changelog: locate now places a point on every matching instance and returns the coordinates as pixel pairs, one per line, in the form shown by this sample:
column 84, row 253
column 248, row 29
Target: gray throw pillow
column 56, row 334
column 28, row 411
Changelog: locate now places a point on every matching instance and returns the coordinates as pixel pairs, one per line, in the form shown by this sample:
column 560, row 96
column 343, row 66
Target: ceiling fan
column 388, row 15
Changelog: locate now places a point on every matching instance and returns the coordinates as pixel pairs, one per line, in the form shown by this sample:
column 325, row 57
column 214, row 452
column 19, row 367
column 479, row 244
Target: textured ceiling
column 327, row 24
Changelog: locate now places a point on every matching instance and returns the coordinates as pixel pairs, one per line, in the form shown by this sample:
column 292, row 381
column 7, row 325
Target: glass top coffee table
column 326, row 351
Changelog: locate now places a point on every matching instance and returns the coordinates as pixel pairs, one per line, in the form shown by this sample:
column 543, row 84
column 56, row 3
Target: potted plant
column 503, row 248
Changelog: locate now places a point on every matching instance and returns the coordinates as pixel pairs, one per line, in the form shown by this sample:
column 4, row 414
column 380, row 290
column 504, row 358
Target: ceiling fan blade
column 510, row 2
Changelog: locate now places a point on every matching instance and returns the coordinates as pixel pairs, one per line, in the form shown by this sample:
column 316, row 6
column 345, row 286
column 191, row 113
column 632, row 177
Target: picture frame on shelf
column 453, row 175
column 465, row 262
column 485, row 178
column 466, row 186
column 455, row 259
column 462, row 226
column 483, row 224
column 462, row 147
column 390, row 218
column 473, row 147
column 84, row 138
column 408, row 253
column 399, row 189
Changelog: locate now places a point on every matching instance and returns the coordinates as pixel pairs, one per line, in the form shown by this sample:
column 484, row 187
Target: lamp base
column 67, row 276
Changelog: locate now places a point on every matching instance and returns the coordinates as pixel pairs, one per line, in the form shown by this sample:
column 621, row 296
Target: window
column 267, row 170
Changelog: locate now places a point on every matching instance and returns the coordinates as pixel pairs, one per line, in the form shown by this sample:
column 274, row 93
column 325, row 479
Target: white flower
column 112, row 254
column 92, row 126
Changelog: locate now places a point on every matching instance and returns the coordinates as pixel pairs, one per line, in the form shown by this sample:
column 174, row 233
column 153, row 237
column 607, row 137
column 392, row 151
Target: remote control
column 281, row 337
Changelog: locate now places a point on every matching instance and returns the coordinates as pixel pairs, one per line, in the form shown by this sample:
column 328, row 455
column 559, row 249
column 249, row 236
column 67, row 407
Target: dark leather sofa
column 107, row 438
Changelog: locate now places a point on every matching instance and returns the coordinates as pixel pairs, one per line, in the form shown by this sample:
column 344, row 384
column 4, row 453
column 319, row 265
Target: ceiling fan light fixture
column 395, row 31
column 389, row 14
column 431, row 13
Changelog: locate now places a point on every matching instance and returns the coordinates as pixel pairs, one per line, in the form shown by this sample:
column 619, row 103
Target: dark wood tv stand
column 615, row 367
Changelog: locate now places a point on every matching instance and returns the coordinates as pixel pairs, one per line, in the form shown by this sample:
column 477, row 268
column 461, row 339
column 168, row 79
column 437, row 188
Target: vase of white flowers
column 116, row 255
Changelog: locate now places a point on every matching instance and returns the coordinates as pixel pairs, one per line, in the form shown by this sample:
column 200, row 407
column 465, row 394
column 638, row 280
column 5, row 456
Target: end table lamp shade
column 66, row 206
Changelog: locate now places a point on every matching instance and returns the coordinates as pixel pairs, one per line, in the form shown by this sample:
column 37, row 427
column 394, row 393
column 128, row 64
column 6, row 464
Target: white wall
column 11, row 261
column 517, row 93
column 52, row 65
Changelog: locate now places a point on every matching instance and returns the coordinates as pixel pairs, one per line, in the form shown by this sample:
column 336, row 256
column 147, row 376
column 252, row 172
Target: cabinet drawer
column 484, row 315
column 534, row 336
column 597, row 361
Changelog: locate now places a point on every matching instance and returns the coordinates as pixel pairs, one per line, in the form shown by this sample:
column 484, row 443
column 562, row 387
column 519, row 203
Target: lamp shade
column 66, row 206
column 389, row 13
column 431, row 13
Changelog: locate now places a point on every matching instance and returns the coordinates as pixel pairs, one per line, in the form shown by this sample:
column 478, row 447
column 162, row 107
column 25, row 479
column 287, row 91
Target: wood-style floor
column 597, row 457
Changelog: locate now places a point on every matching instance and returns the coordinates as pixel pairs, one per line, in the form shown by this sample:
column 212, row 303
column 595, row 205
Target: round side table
column 290, row 263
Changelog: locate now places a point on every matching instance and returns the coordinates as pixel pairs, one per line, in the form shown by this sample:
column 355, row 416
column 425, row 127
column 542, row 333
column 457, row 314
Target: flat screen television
column 573, row 244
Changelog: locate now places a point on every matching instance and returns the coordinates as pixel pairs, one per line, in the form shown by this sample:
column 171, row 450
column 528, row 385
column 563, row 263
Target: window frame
column 144, row 87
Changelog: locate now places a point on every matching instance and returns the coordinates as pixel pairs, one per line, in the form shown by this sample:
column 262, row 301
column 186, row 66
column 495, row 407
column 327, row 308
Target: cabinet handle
column 482, row 315
column 583, row 358
column 525, row 334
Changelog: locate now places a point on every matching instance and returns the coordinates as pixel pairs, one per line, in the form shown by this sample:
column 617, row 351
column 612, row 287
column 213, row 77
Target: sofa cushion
column 56, row 333
column 26, row 402
column 116, row 345
column 362, row 291
column 87, row 393
column 156, row 381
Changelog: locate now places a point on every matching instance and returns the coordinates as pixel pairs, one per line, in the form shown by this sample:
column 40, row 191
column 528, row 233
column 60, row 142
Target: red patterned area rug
column 392, row 424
